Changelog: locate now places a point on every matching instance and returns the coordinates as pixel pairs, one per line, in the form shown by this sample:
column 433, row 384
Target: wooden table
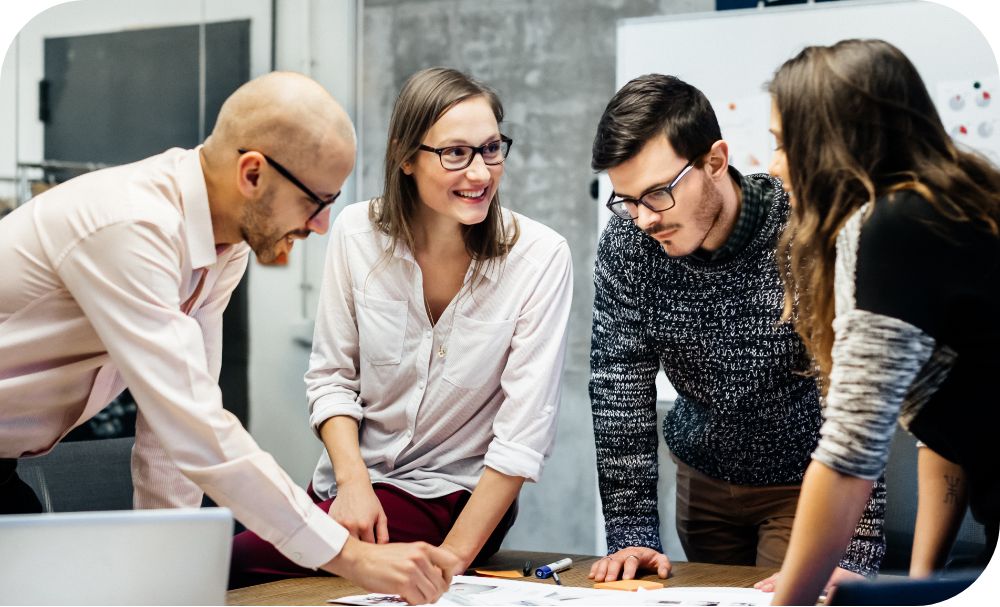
column 316, row 590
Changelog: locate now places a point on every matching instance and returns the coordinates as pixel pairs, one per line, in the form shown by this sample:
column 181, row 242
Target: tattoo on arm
column 951, row 497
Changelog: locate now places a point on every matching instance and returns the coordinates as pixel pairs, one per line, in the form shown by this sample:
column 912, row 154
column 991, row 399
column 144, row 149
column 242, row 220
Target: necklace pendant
column 441, row 351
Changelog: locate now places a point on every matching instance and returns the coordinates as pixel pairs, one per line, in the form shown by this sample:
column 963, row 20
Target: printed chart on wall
column 970, row 114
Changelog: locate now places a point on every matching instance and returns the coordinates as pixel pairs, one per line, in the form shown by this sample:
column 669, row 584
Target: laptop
column 126, row 557
column 902, row 591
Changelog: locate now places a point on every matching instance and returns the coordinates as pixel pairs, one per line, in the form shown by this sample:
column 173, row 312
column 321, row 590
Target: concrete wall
column 553, row 64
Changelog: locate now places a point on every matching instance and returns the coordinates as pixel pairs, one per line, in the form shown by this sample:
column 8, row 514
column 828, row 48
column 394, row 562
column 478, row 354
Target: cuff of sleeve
column 329, row 406
column 514, row 460
column 625, row 536
column 315, row 543
column 864, row 557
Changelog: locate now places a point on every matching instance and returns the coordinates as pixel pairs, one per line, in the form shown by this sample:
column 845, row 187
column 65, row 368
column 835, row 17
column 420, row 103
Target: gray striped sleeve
column 876, row 358
column 884, row 369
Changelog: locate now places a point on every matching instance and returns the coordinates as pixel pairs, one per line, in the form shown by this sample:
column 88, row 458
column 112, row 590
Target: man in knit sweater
column 686, row 279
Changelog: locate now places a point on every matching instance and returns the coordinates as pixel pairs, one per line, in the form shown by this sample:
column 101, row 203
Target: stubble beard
column 257, row 232
column 705, row 218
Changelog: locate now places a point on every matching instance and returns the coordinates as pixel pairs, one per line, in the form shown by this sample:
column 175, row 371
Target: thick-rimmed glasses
column 321, row 203
column 458, row 157
column 657, row 200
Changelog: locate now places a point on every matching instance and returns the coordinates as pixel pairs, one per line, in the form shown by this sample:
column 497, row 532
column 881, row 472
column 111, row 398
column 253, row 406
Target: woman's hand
column 357, row 508
column 839, row 576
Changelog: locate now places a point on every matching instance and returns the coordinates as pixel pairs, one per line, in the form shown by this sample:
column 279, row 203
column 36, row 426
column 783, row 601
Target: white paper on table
column 472, row 591
column 718, row 596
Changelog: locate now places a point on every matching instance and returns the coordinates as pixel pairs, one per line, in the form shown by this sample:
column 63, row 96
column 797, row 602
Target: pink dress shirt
column 113, row 280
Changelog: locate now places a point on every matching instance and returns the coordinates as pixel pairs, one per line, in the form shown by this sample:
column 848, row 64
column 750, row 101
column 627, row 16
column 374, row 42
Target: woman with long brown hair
column 434, row 379
column 892, row 278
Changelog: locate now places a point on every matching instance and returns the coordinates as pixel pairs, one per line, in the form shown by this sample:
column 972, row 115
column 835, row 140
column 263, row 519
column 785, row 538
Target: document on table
column 473, row 591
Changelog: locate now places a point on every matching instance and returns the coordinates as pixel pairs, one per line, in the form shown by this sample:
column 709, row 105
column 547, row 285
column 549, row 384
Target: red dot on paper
column 963, row 130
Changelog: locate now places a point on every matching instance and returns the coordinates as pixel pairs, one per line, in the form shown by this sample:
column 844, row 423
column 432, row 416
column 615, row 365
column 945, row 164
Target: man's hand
column 418, row 572
column 838, row 576
column 357, row 508
column 627, row 561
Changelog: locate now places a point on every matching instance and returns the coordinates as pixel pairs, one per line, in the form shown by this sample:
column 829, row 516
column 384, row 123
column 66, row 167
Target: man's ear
column 717, row 159
column 248, row 169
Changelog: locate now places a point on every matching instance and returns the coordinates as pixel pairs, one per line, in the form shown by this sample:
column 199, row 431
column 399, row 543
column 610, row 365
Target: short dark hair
column 650, row 105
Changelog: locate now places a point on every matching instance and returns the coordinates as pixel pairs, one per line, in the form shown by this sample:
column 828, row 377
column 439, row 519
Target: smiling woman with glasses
column 436, row 364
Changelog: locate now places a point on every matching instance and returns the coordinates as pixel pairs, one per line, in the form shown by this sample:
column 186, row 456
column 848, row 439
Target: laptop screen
column 138, row 557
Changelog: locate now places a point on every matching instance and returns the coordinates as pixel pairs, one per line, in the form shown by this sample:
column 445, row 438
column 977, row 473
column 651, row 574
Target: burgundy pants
column 411, row 519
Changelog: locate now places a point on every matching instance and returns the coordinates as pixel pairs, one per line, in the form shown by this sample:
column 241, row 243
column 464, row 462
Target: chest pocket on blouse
column 381, row 327
column 476, row 351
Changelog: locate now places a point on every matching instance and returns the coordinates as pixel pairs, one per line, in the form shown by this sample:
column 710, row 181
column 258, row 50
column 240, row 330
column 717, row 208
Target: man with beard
column 119, row 278
column 686, row 278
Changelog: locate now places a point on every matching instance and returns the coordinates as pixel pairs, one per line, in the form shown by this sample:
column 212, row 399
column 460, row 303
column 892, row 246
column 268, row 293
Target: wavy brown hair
column 858, row 124
column 424, row 98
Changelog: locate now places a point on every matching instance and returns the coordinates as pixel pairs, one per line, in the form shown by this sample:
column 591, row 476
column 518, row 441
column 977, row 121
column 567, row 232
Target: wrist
column 921, row 567
column 350, row 557
column 464, row 554
column 354, row 479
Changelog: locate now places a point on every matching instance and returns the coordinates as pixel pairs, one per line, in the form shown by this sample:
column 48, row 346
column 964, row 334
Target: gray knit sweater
column 745, row 412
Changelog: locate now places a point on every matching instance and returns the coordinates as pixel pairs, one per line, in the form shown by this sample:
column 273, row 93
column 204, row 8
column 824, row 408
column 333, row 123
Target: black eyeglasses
column 458, row 157
column 657, row 200
column 322, row 203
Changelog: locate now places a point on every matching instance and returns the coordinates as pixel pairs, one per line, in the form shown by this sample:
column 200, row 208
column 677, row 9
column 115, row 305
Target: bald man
column 119, row 278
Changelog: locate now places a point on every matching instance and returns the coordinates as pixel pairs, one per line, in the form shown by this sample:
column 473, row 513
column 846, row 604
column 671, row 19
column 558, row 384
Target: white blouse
column 430, row 422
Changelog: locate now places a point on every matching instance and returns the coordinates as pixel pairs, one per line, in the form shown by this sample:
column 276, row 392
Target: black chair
column 82, row 475
column 901, row 512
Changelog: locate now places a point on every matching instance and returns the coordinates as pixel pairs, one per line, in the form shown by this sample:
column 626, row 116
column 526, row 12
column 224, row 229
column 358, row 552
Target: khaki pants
column 727, row 524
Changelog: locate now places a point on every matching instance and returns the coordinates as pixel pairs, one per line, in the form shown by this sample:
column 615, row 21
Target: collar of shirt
column 753, row 211
column 490, row 270
column 197, row 215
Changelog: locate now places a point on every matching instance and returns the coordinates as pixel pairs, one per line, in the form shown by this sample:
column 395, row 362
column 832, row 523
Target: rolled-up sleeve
column 333, row 380
column 132, row 302
column 525, row 425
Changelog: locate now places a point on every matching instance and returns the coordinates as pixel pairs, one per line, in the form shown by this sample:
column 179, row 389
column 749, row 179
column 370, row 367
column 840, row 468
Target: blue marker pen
column 546, row 571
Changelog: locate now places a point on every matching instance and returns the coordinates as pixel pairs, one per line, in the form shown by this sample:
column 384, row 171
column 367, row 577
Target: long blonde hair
column 858, row 124
column 425, row 97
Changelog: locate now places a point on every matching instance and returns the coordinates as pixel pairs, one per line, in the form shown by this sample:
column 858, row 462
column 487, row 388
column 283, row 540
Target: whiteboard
column 731, row 55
